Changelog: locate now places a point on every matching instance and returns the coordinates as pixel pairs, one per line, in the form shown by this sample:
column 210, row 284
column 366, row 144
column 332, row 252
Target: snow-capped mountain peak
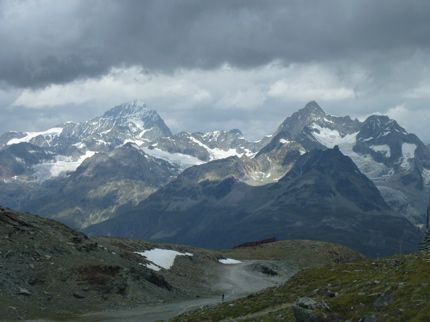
column 313, row 116
column 137, row 117
column 377, row 126
column 134, row 108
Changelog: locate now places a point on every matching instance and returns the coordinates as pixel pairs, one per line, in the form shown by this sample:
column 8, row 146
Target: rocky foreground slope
column 389, row 289
column 51, row 271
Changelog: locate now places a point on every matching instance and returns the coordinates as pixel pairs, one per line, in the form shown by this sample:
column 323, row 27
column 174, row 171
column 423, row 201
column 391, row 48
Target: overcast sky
column 214, row 64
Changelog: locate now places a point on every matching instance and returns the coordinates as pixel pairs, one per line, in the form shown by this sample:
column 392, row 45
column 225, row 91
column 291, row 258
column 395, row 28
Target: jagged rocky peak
column 222, row 134
column 312, row 108
column 132, row 108
column 376, row 126
column 312, row 128
column 304, row 117
column 295, row 123
column 137, row 112
column 129, row 121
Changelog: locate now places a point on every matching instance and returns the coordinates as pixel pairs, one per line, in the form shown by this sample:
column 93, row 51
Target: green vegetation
column 390, row 289
column 296, row 253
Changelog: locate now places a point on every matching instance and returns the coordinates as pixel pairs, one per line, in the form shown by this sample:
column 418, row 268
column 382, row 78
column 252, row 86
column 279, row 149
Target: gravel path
column 234, row 281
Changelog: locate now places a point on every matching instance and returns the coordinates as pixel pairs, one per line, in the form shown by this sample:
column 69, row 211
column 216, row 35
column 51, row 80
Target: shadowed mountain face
column 99, row 186
column 18, row 159
column 323, row 197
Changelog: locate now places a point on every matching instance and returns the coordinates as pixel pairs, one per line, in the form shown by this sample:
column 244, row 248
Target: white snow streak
column 55, row 131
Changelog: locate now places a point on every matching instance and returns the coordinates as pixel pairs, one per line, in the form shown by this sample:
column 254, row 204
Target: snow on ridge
column 161, row 258
column 217, row 153
column 55, row 131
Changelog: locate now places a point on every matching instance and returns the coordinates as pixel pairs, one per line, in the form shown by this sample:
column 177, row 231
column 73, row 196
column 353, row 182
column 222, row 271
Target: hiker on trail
column 222, row 297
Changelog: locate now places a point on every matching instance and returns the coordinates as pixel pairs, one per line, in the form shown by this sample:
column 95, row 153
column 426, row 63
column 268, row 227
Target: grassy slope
column 66, row 273
column 351, row 291
column 297, row 253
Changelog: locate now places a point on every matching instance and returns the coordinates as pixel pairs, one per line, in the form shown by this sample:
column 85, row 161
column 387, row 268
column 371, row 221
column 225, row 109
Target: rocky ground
column 51, row 271
column 389, row 289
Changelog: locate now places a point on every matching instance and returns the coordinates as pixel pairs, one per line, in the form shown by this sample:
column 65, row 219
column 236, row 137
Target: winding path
column 235, row 281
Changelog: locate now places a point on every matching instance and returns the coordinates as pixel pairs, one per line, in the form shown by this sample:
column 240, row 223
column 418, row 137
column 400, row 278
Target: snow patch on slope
column 283, row 141
column 60, row 166
column 229, row 261
column 408, row 153
column 330, row 138
column 161, row 258
column 182, row 160
column 426, row 176
column 375, row 171
column 383, row 148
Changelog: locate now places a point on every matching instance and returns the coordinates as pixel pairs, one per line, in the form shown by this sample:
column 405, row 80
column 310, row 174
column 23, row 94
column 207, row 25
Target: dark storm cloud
column 57, row 43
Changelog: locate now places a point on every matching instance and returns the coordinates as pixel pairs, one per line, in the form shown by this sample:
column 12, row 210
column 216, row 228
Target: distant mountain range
column 323, row 197
column 318, row 176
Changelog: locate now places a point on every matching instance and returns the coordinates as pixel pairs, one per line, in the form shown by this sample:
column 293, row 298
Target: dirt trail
column 234, row 281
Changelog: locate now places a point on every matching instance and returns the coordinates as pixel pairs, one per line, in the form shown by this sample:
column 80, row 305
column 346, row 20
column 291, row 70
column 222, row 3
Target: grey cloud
column 90, row 37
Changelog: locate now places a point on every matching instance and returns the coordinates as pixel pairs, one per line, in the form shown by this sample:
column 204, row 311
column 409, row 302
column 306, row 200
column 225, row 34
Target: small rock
column 384, row 300
column 370, row 318
column 307, row 303
column 78, row 295
column 23, row 291
column 304, row 310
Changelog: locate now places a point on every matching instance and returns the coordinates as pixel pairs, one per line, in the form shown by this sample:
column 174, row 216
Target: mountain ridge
column 313, row 204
